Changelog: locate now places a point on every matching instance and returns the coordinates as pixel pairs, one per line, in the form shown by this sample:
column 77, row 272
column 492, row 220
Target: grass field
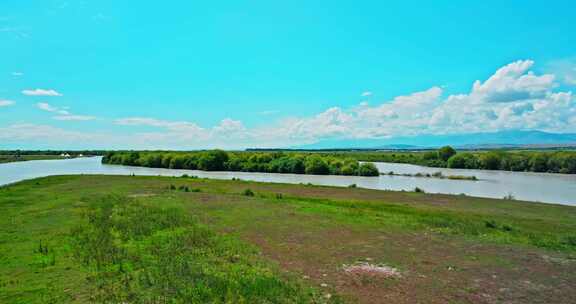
column 122, row 239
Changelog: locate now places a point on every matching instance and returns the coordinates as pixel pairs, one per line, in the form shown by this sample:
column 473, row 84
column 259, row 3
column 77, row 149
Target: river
column 540, row 187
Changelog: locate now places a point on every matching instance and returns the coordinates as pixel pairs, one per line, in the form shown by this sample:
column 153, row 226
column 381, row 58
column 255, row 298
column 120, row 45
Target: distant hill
column 504, row 139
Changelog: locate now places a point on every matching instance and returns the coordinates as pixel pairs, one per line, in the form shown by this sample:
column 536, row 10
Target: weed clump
column 419, row 190
column 509, row 197
column 248, row 192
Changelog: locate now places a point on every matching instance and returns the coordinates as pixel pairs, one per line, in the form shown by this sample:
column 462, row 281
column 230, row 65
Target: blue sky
column 234, row 74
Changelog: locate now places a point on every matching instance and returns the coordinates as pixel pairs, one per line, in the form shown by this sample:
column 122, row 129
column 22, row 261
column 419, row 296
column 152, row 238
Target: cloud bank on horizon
column 513, row 98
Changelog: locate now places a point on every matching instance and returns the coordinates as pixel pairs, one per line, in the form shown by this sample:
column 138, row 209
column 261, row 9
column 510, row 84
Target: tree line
column 447, row 157
column 218, row 160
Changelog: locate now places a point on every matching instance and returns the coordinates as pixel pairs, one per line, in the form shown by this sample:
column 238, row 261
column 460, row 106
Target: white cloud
column 6, row 102
column 63, row 115
column 565, row 69
column 41, row 92
column 74, row 117
column 366, row 94
column 44, row 133
column 229, row 127
column 178, row 126
column 513, row 98
column 513, row 82
column 46, row 107
column 18, row 32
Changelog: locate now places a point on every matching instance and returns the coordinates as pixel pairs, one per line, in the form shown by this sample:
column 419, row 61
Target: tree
column 316, row 165
column 539, row 162
column 213, row 160
column 490, row 161
column 463, row 161
column 446, row 152
column 368, row 169
column 430, row 155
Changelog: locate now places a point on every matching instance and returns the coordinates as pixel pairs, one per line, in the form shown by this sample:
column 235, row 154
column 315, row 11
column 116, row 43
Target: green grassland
column 133, row 239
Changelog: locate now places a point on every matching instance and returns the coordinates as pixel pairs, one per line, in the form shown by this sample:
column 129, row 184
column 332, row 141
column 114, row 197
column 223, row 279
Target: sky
column 235, row 74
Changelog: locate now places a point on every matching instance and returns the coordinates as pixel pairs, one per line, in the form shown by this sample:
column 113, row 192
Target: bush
column 212, row 160
column 489, row 161
column 446, row 152
column 463, row 161
column 316, row 165
column 368, row 169
column 419, row 190
column 248, row 192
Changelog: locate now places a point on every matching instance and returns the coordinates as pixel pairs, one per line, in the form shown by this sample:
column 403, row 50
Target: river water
column 541, row 187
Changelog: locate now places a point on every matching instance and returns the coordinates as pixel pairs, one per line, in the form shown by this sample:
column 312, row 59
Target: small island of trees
column 218, row 160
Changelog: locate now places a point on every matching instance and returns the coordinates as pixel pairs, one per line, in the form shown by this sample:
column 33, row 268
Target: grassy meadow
column 133, row 239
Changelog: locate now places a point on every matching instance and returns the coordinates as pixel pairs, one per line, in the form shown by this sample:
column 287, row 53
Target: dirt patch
column 137, row 195
column 434, row 269
column 364, row 269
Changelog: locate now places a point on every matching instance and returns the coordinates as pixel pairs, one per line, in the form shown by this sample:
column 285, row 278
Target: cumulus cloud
column 6, row 102
column 513, row 82
column 41, row 92
column 513, row 98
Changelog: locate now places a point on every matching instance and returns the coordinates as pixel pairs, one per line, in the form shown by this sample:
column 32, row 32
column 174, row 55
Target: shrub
column 446, row 152
column 248, row 192
column 368, row 169
column 463, row 161
column 419, row 190
column 509, row 196
column 316, row 165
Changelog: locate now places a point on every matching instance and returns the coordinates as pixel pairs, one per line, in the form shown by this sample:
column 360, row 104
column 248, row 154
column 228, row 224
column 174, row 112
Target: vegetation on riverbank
column 446, row 157
column 16, row 158
column 433, row 175
column 239, row 241
column 218, row 160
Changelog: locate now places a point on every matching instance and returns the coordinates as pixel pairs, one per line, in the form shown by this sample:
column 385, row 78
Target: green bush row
column 218, row 160
column 447, row 157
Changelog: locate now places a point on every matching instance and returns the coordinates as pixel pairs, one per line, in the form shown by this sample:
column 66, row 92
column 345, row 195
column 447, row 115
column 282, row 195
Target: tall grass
column 149, row 254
